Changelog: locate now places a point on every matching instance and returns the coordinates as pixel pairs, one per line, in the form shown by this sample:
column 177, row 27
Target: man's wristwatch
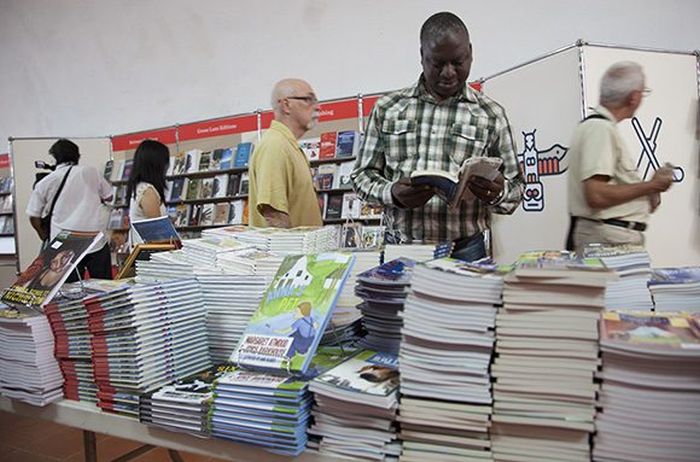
column 498, row 198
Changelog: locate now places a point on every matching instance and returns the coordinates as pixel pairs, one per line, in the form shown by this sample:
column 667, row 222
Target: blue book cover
column 680, row 275
column 347, row 143
column 285, row 331
column 159, row 229
column 226, row 159
column 398, row 271
column 243, row 152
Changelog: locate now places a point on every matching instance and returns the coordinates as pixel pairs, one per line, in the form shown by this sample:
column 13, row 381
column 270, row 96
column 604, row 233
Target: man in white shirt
column 78, row 207
column 608, row 200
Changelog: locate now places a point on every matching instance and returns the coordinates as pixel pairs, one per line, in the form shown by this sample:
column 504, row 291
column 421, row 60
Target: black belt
column 633, row 225
column 626, row 224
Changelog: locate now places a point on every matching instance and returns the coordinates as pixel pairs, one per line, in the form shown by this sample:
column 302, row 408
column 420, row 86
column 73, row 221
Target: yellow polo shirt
column 279, row 177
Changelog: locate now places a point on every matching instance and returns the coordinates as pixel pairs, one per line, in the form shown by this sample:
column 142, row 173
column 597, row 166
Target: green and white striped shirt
column 409, row 130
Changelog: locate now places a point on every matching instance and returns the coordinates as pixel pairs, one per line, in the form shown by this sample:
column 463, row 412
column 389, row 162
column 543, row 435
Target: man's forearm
column 275, row 218
column 601, row 195
column 36, row 224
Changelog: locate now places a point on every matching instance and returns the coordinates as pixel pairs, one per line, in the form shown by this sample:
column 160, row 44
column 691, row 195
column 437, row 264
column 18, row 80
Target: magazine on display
column 40, row 282
column 453, row 189
column 285, row 330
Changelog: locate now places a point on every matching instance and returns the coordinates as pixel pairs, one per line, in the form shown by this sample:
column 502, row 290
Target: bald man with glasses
column 282, row 193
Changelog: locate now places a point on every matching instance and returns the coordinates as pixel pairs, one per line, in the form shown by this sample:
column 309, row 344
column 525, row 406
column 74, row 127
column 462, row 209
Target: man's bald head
column 295, row 105
column 288, row 87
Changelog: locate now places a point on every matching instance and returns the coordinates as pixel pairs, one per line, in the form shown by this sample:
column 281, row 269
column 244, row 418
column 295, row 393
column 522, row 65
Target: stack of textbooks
column 68, row 318
column 28, row 370
column 230, row 301
column 346, row 324
column 272, row 409
column 355, row 409
column 184, row 405
column 650, row 396
column 633, row 266
column 448, row 339
column 676, row 289
column 383, row 290
column 547, row 355
column 144, row 337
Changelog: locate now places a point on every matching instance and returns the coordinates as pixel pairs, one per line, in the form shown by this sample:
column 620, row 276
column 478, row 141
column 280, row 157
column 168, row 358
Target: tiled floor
column 23, row 439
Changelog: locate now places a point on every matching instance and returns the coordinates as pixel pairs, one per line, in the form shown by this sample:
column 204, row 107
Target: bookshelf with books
column 7, row 214
column 208, row 179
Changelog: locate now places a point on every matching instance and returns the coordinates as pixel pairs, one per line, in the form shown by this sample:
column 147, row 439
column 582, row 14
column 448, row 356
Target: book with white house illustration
column 285, row 330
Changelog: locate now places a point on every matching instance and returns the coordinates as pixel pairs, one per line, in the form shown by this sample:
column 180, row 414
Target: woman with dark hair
column 146, row 187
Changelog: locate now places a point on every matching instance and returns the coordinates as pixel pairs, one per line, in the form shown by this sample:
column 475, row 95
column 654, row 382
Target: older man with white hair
column 608, row 201
column 281, row 191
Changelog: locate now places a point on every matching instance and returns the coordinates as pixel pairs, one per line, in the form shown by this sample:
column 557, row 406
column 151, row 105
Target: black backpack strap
column 58, row 193
column 594, row 116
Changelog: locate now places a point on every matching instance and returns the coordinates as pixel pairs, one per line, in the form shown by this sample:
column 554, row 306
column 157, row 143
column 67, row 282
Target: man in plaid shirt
column 437, row 124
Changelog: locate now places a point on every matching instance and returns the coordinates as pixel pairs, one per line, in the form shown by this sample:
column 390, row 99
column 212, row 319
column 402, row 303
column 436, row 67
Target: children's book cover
column 285, row 330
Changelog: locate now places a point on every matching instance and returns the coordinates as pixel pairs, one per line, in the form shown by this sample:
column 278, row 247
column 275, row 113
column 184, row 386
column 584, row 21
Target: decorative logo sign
column 537, row 163
column 649, row 151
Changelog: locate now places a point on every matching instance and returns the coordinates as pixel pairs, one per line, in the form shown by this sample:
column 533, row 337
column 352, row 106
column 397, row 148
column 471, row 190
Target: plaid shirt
column 409, row 130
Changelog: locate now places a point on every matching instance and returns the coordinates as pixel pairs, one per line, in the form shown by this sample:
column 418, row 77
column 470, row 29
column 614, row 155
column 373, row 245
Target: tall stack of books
column 163, row 266
column 272, row 409
column 383, row 290
column 68, row 318
column 251, row 261
column 144, row 337
column 547, row 355
column 676, row 289
column 28, row 370
column 650, row 396
column 346, row 324
column 633, row 266
column 204, row 253
column 355, row 409
column 303, row 240
column 448, row 339
column 230, row 301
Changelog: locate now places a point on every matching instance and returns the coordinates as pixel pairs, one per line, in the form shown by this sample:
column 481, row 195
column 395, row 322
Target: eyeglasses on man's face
column 311, row 100
column 646, row 91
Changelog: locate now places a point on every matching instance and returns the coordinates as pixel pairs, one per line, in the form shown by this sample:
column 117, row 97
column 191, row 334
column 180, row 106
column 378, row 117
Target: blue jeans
column 470, row 249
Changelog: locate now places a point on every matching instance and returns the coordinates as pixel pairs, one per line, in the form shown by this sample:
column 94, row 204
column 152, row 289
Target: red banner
column 327, row 112
column 132, row 140
column 218, row 127
column 4, row 160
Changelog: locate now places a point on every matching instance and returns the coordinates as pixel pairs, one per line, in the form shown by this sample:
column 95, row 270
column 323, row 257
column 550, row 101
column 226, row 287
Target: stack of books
column 272, row 409
column 448, row 339
column 547, row 355
column 676, row 289
column 633, row 266
column 184, row 405
column 204, row 253
column 251, row 261
column 163, row 266
column 346, row 324
column 355, row 409
column 230, row 301
column 28, row 370
column 144, row 337
column 263, row 409
column 650, row 396
column 68, row 318
column 303, row 240
column 416, row 252
column 383, row 290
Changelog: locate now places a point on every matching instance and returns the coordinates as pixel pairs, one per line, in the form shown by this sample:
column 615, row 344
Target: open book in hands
column 453, row 189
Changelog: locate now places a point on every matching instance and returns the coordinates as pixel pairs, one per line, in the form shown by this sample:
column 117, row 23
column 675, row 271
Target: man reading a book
column 282, row 193
column 608, row 201
column 438, row 124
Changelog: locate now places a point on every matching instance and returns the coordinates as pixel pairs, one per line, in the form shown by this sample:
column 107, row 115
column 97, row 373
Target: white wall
column 92, row 68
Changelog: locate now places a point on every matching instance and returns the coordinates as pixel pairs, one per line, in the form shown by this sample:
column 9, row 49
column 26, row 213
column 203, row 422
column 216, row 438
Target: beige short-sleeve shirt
column 279, row 176
column 598, row 149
